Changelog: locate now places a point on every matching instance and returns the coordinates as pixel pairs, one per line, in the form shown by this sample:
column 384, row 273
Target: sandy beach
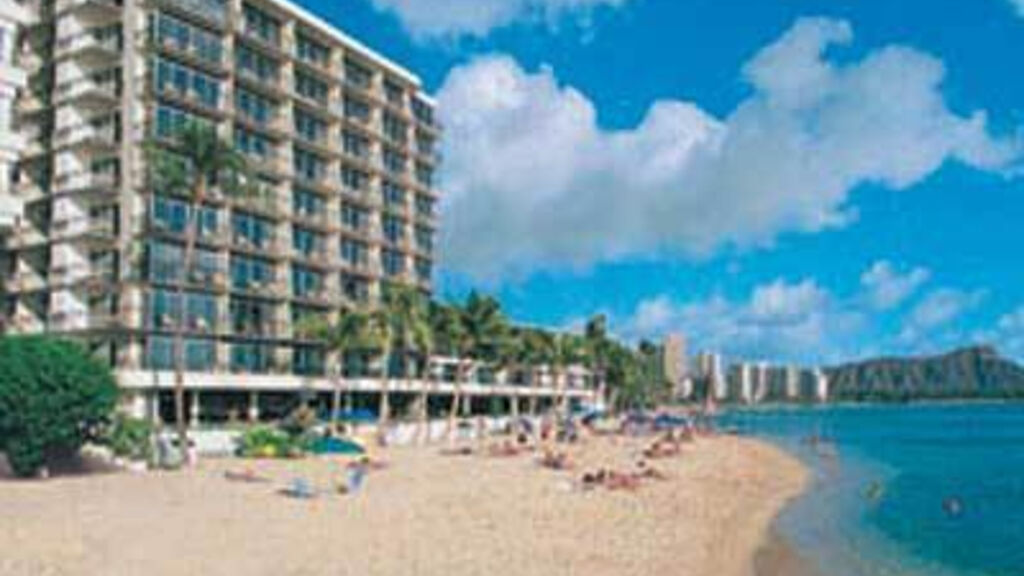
column 424, row 514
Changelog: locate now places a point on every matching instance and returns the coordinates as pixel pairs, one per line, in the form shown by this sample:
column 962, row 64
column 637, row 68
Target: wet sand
column 425, row 514
column 777, row 557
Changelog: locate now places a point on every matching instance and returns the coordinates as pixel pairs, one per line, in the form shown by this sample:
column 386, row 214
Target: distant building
column 676, row 366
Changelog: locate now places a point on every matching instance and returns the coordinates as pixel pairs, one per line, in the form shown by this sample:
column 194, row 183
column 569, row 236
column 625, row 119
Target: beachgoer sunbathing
column 457, row 451
column 505, row 449
column 556, row 460
column 247, row 476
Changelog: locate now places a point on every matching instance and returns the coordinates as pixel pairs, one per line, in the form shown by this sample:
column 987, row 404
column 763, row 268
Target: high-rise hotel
column 343, row 139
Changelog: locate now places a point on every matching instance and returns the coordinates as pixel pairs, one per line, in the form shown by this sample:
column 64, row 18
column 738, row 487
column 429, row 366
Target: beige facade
column 13, row 16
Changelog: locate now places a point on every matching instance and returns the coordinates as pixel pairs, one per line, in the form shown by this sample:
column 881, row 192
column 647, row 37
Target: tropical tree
column 194, row 165
column 409, row 325
column 349, row 334
column 567, row 351
column 486, row 331
column 597, row 348
column 447, row 323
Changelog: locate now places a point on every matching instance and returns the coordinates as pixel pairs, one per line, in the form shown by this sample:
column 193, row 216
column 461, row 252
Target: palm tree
column 567, row 351
column 348, row 334
column 407, row 316
column 486, row 330
column 379, row 340
column 597, row 350
column 195, row 163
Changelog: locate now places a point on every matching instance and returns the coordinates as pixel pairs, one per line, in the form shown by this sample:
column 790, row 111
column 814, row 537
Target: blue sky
column 807, row 180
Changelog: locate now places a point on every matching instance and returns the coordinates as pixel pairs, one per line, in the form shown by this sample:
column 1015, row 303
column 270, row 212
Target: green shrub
column 266, row 442
column 129, row 438
column 53, row 397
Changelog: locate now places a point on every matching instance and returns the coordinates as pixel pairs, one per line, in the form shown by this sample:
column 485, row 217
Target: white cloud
column 887, row 287
column 532, row 181
column 454, row 18
column 1007, row 335
column 781, row 321
column 1019, row 5
column 928, row 324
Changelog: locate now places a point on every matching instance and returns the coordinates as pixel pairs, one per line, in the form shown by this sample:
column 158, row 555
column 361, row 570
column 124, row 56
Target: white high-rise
column 12, row 79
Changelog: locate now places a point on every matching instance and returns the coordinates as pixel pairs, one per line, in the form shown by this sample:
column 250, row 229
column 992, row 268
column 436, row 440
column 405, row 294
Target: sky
column 805, row 181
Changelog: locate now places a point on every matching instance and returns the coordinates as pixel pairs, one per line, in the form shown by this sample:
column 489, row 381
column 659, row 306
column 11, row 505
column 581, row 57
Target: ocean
column 909, row 490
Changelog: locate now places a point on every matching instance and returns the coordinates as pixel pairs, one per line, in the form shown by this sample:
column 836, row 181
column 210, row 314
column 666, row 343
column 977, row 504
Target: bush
column 53, row 397
column 129, row 438
column 265, row 442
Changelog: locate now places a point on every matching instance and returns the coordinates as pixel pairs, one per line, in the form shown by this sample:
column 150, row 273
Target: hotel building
column 343, row 140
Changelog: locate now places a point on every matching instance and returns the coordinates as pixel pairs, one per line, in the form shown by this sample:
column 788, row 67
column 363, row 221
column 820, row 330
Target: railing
column 98, row 226
column 86, row 179
column 191, row 49
column 64, row 5
column 108, row 88
column 108, row 42
column 106, row 134
column 211, row 10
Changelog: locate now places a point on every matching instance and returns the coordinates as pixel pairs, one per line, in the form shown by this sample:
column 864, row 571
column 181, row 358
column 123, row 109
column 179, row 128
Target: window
column 173, row 78
column 394, row 228
column 424, row 205
column 354, row 253
column 257, row 65
column 307, row 204
column 394, row 93
column 355, row 179
column 256, row 108
column 308, row 361
column 171, row 120
column 356, row 145
column 310, row 127
column 172, row 214
column 394, row 262
column 164, row 264
column 308, row 166
column 253, row 144
column 250, row 273
column 250, row 230
column 358, row 75
column 251, row 317
column 357, row 109
column 423, row 269
column 306, row 241
column 424, row 175
column 423, row 112
column 262, row 25
column 163, row 311
column 251, row 358
column 309, row 50
column 306, row 282
column 309, row 87
column 200, row 355
column 353, row 217
column 424, row 144
column 394, row 162
column 394, row 195
column 355, row 288
column 180, row 35
column 425, row 239
column 395, row 129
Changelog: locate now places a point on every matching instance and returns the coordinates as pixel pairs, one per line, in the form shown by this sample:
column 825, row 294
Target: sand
column 424, row 515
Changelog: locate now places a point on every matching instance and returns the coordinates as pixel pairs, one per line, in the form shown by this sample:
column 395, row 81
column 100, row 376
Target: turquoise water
column 932, row 490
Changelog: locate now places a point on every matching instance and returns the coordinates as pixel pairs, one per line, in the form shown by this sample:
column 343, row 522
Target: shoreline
column 424, row 514
column 778, row 557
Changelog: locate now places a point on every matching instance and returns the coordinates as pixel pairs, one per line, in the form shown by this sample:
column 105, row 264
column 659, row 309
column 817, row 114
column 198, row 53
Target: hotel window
column 355, row 288
column 309, row 50
column 262, row 67
column 424, row 239
column 394, row 162
column 306, row 241
column 424, row 144
column 174, row 78
column 353, row 217
column 200, row 355
column 310, row 127
column 251, row 358
column 394, row 195
column 308, row 361
column 309, row 87
column 163, row 311
column 305, row 281
column 394, row 262
column 358, row 75
column 354, row 253
column 250, row 273
column 307, row 204
column 215, row 10
column 394, row 228
column 394, row 129
column 424, row 175
column 171, row 120
column 394, row 93
column 423, row 269
column 357, row 109
column 253, row 144
column 262, row 25
column 250, row 230
column 164, row 264
column 355, row 179
column 174, row 32
column 256, row 108
column 424, row 205
column 251, row 317
column 308, row 166
column 172, row 214
column 423, row 111
column 355, row 145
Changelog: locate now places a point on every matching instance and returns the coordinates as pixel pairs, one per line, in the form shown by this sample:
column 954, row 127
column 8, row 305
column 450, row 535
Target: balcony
column 99, row 90
column 87, row 228
column 92, row 320
column 271, row 288
column 207, row 11
column 98, row 46
column 87, row 181
column 97, row 136
column 85, row 275
column 90, row 8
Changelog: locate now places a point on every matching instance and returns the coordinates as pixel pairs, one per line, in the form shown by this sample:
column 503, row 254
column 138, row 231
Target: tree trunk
column 336, row 399
column 384, row 410
column 453, row 412
column 191, row 223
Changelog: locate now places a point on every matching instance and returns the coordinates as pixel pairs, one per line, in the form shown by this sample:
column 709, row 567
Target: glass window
column 394, row 228
column 256, row 108
column 307, row 204
column 180, row 35
column 251, row 230
column 308, row 361
column 308, row 165
column 251, row 358
column 249, row 273
column 163, row 311
column 200, row 355
column 310, row 127
column 353, row 252
column 255, row 64
column 394, row 262
column 353, row 217
column 307, row 241
column 165, row 263
column 172, row 214
column 253, row 144
column 262, row 25
column 305, row 281
column 311, row 51
column 309, row 87
column 355, row 179
column 171, row 77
